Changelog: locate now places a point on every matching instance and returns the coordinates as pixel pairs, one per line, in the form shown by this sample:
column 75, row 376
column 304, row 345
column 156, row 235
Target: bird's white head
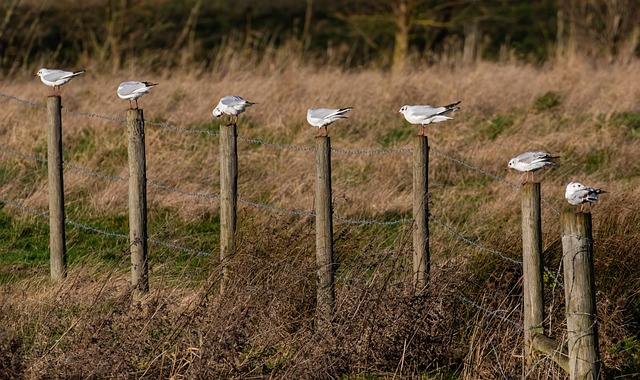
column 40, row 72
column 512, row 163
column 216, row 112
column 403, row 109
column 573, row 187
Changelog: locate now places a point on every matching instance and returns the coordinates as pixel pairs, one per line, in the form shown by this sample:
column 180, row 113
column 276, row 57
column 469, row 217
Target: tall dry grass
column 89, row 326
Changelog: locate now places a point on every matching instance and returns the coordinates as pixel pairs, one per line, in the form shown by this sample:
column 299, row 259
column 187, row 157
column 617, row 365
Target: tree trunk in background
column 307, row 23
column 561, row 40
column 401, row 41
column 471, row 40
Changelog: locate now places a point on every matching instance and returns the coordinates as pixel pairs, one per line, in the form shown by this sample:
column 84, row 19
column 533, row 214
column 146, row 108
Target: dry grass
column 91, row 327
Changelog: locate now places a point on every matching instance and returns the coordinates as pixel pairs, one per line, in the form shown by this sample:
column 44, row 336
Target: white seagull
column 529, row 162
column 56, row 78
column 231, row 105
column 579, row 194
column 424, row 115
column 134, row 90
column 322, row 117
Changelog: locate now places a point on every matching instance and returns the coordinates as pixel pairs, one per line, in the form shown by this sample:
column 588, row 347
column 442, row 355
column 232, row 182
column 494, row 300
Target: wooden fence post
column 57, row 242
column 228, row 198
column 138, row 202
column 324, row 234
column 531, row 268
column 580, row 298
column 421, row 260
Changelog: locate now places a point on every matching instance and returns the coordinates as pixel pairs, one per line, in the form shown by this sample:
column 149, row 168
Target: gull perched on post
column 427, row 114
column 231, row 105
column 56, row 78
column 133, row 90
column 530, row 162
column 322, row 117
column 579, row 194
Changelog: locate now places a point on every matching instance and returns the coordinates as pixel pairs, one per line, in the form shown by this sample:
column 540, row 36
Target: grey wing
column 426, row 111
column 55, row 75
column 128, row 88
column 232, row 100
column 529, row 157
column 320, row 113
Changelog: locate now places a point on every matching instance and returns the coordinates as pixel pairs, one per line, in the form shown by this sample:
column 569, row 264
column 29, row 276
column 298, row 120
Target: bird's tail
column 76, row 73
column 453, row 105
column 149, row 84
column 342, row 111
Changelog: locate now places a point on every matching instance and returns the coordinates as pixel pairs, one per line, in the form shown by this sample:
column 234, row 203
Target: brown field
column 91, row 327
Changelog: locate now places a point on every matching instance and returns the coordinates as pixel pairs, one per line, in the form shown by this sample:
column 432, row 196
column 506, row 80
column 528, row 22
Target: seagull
column 579, row 194
column 231, row 105
column 532, row 161
column 424, row 115
column 322, row 117
column 56, row 78
column 133, row 90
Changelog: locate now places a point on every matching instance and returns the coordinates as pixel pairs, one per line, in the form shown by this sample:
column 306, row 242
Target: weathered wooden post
column 421, row 260
column 137, row 202
column 229, row 197
column 580, row 296
column 325, row 295
column 532, row 268
column 57, row 242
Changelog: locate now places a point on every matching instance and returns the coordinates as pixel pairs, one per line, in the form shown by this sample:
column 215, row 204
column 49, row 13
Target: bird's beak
column 35, row 75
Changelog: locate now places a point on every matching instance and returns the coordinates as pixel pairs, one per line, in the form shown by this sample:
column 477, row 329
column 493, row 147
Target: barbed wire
column 94, row 229
column 473, row 243
column 22, row 155
column 276, row 208
column 469, row 166
column 101, row 231
column 372, row 221
column 178, row 247
column 24, row 208
column 372, row 152
column 94, row 173
column 15, row 99
column 493, row 313
column 94, row 115
column 176, row 190
column 180, row 129
column 313, row 214
column 277, row 145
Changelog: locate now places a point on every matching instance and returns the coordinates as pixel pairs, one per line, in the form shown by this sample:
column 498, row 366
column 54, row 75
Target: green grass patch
column 7, row 174
column 80, row 144
column 629, row 121
column 24, row 243
column 596, row 160
column 547, row 101
column 496, row 126
column 394, row 136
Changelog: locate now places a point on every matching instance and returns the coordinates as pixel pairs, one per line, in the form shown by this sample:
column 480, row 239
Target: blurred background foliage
column 389, row 34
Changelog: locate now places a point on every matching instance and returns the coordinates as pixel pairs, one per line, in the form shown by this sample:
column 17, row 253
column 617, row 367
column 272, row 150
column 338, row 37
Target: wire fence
column 265, row 206
column 503, row 315
column 500, row 314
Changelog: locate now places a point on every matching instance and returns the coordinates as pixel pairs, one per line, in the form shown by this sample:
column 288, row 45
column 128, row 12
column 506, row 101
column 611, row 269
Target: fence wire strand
column 473, row 243
column 101, row 231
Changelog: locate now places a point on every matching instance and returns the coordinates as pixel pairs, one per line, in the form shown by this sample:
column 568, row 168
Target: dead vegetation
column 91, row 327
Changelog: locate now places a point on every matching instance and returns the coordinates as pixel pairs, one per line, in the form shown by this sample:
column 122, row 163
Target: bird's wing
column 531, row 157
column 54, row 75
column 424, row 111
column 128, row 88
column 232, row 100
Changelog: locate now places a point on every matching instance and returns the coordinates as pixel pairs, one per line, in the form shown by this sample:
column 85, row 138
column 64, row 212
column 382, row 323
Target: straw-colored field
column 90, row 327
